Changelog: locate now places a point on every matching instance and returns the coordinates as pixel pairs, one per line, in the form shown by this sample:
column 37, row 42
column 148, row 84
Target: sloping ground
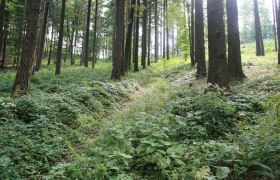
column 160, row 123
column 37, row 131
column 182, row 128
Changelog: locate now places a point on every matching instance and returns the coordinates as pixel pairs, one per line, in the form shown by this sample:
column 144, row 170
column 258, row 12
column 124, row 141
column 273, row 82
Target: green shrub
column 38, row 130
column 210, row 114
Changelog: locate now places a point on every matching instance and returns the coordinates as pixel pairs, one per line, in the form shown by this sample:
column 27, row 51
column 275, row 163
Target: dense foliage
column 75, row 128
column 37, row 130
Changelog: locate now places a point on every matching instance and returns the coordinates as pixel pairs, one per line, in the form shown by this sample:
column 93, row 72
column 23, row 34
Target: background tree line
column 132, row 33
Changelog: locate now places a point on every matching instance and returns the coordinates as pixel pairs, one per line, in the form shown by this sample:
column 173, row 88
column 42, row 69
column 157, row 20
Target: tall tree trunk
column 156, row 30
column 2, row 21
column 71, row 39
column 218, row 73
column 258, row 31
column 5, row 35
column 77, row 21
column 234, row 54
column 150, row 33
column 160, row 34
column 95, row 35
column 51, row 45
column 163, row 29
column 278, row 29
column 190, row 30
column 4, row 48
column 24, row 72
column 192, row 34
column 187, row 23
column 173, row 49
column 66, row 50
column 19, row 44
column 119, row 38
column 144, row 36
column 128, row 44
column 82, row 60
column 136, row 39
column 42, row 36
column 274, row 9
column 167, row 31
column 199, row 40
column 60, row 39
column 86, row 56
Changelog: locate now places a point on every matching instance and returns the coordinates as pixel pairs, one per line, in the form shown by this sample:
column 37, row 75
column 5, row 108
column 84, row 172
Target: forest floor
column 159, row 123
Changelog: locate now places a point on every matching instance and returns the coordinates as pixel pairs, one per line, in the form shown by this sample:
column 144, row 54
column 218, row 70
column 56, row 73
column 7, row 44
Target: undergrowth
column 195, row 136
column 80, row 125
column 38, row 130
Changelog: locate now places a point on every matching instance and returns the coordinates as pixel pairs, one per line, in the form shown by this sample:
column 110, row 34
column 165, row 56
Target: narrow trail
column 138, row 94
column 143, row 98
column 150, row 99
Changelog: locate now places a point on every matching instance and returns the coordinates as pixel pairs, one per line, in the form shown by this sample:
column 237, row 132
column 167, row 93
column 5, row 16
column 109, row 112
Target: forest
column 140, row 89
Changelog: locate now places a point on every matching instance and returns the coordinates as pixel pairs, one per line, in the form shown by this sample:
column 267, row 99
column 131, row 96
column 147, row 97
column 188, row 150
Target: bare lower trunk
column 24, row 71
column 156, row 30
column 218, row 73
column 150, row 33
column 119, row 38
column 95, row 35
column 43, row 37
column 192, row 34
column 278, row 30
column 199, row 40
column 128, row 44
column 144, row 36
column 60, row 39
column 234, row 54
column 2, row 21
column 258, row 31
column 136, row 39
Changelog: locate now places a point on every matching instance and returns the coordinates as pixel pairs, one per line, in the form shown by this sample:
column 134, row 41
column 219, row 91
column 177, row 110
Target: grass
column 159, row 123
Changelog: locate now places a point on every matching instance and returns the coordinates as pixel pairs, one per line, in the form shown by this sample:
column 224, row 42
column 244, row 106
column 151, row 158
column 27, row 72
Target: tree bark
column 258, row 31
column 24, row 72
column 51, row 45
column 156, row 30
column 199, row 40
column 150, row 33
column 164, row 30
column 71, row 34
column 173, row 49
column 60, row 39
column 77, row 21
column 2, row 21
column 95, row 35
column 86, row 56
column 278, row 30
column 167, row 31
column 42, row 36
column 5, row 34
column 189, row 30
column 119, row 38
column 274, row 9
column 136, row 39
column 128, row 44
column 192, row 34
column 218, row 73
column 144, row 36
column 234, row 53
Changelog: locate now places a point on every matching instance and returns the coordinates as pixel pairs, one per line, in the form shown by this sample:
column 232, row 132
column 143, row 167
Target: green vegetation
column 159, row 123
column 122, row 90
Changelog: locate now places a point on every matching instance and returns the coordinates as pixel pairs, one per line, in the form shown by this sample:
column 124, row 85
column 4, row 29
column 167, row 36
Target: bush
column 38, row 130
